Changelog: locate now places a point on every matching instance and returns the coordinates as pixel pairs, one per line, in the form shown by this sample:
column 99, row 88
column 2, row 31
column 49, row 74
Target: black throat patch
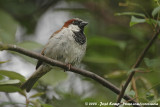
column 79, row 37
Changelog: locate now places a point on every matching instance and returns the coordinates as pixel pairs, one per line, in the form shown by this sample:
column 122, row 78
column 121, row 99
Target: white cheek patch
column 74, row 28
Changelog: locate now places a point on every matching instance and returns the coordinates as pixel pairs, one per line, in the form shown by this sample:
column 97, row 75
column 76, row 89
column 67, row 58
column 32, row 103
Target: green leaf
column 9, row 82
column 9, row 103
column 6, row 37
column 10, row 89
column 12, row 75
column 156, row 11
column 8, row 27
column 31, row 45
column 1, row 77
column 116, row 74
column 135, row 20
column 37, row 95
column 1, row 62
column 10, row 86
column 131, row 14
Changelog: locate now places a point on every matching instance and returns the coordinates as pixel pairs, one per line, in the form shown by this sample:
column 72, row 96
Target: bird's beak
column 82, row 24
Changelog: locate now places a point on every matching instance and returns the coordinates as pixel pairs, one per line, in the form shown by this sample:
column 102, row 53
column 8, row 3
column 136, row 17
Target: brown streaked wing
column 65, row 25
column 42, row 53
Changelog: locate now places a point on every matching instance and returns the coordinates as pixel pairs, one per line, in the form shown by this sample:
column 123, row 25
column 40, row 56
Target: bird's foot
column 68, row 67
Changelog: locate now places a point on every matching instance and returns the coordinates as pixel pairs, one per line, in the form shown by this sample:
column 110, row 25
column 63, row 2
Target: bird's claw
column 68, row 67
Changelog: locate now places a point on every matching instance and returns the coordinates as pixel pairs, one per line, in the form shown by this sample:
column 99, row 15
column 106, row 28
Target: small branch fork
column 52, row 62
column 138, row 62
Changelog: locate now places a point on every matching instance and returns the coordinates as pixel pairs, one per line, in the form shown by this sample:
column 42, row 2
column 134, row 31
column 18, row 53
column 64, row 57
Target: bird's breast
column 63, row 47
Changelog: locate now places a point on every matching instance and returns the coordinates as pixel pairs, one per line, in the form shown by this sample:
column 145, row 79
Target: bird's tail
column 42, row 70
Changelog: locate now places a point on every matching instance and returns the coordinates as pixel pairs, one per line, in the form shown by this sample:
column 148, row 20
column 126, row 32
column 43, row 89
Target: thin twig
column 135, row 88
column 138, row 62
column 27, row 100
column 52, row 62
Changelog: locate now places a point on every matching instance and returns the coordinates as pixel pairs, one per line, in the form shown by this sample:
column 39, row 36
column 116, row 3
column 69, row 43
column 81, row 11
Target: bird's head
column 75, row 24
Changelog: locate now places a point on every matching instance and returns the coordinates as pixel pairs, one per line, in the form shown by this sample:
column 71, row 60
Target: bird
column 67, row 45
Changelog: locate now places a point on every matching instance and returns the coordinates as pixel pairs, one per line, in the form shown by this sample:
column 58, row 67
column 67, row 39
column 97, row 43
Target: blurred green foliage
column 117, row 32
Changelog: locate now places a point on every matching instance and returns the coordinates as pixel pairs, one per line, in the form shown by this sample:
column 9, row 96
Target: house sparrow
column 67, row 45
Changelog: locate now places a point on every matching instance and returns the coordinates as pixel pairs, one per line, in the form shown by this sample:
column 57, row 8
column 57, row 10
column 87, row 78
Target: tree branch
column 52, row 62
column 138, row 62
